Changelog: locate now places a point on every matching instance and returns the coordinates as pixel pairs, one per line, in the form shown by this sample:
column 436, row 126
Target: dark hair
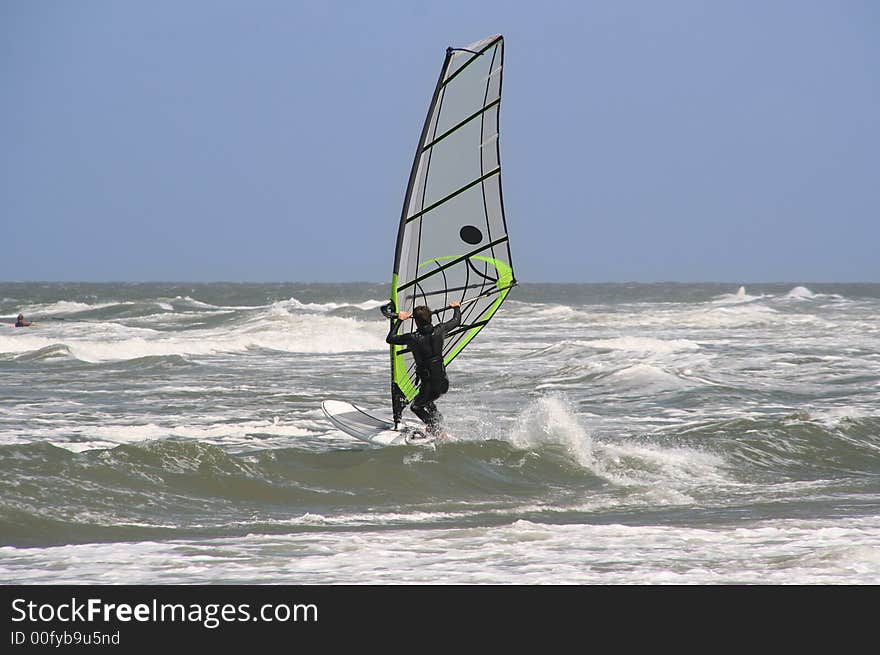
column 422, row 315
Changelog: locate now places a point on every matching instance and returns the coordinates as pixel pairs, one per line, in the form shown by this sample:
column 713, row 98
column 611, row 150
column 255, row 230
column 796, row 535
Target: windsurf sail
column 452, row 240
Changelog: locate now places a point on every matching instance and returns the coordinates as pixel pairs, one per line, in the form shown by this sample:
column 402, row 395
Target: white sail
column 452, row 241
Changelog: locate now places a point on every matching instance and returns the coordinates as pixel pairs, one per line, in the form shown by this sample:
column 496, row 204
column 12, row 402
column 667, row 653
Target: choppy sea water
column 603, row 434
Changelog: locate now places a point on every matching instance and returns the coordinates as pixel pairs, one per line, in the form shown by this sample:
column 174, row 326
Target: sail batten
column 452, row 195
column 452, row 242
column 475, row 52
column 453, row 262
column 467, row 120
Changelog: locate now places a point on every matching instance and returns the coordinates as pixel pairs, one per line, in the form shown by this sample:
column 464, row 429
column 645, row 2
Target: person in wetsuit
column 20, row 322
column 426, row 346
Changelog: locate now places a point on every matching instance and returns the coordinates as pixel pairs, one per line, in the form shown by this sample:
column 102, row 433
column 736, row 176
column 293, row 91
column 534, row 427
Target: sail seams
column 453, row 262
column 452, row 195
column 490, row 140
column 471, row 60
column 461, row 124
column 434, row 293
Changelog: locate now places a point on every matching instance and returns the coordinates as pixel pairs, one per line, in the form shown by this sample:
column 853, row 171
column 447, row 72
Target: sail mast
column 398, row 399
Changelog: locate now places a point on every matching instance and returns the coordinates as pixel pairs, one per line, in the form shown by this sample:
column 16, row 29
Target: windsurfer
column 426, row 345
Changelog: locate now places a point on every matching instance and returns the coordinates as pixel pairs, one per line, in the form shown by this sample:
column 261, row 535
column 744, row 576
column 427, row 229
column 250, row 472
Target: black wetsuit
column 426, row 346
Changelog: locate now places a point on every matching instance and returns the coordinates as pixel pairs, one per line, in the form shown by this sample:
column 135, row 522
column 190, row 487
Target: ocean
column 603, row 434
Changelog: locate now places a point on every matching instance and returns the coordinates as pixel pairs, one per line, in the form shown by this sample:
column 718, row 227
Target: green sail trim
column 399, row 375
column 504, row 284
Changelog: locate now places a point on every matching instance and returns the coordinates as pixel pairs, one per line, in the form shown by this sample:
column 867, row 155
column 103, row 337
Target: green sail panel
column 452, row 241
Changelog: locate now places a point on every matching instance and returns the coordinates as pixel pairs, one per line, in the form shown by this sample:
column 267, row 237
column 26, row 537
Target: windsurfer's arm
column 455, row 321
column 393, row 337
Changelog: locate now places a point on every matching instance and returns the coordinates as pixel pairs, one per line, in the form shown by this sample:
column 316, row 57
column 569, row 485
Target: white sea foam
column 550, row 420
column 330, row 334
column 113, row 342
column 730, row 317
column 735, row 298
column 712, row 315
column 218, row 431
column 555, row 312
column 739, row 296
column 665, row 475
column 520, row 552
column 643, row 345
column 197, row 303
column 646, row 377
column 61, row 307
column 801, row 293
column 834, row 417
column 69, row 307
column 661, row 475
column 293, row 303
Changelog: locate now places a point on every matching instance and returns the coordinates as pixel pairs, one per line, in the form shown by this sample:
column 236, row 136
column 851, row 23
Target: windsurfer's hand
column 455, row 304
column 403, row 315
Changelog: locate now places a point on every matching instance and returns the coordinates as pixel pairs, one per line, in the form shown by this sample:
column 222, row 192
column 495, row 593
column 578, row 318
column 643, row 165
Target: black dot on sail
column 471, row 234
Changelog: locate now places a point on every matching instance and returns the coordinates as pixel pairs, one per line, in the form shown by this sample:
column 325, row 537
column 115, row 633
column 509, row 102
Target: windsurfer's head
column 422, row 316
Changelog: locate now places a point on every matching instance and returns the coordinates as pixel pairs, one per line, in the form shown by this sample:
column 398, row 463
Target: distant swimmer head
column 21, row 317
column 422, row 315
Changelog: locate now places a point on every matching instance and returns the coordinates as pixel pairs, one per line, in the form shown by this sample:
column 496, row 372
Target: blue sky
column 197, row 140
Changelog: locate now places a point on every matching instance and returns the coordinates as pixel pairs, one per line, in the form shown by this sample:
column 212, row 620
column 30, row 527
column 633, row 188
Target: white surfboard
column 359, row 423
